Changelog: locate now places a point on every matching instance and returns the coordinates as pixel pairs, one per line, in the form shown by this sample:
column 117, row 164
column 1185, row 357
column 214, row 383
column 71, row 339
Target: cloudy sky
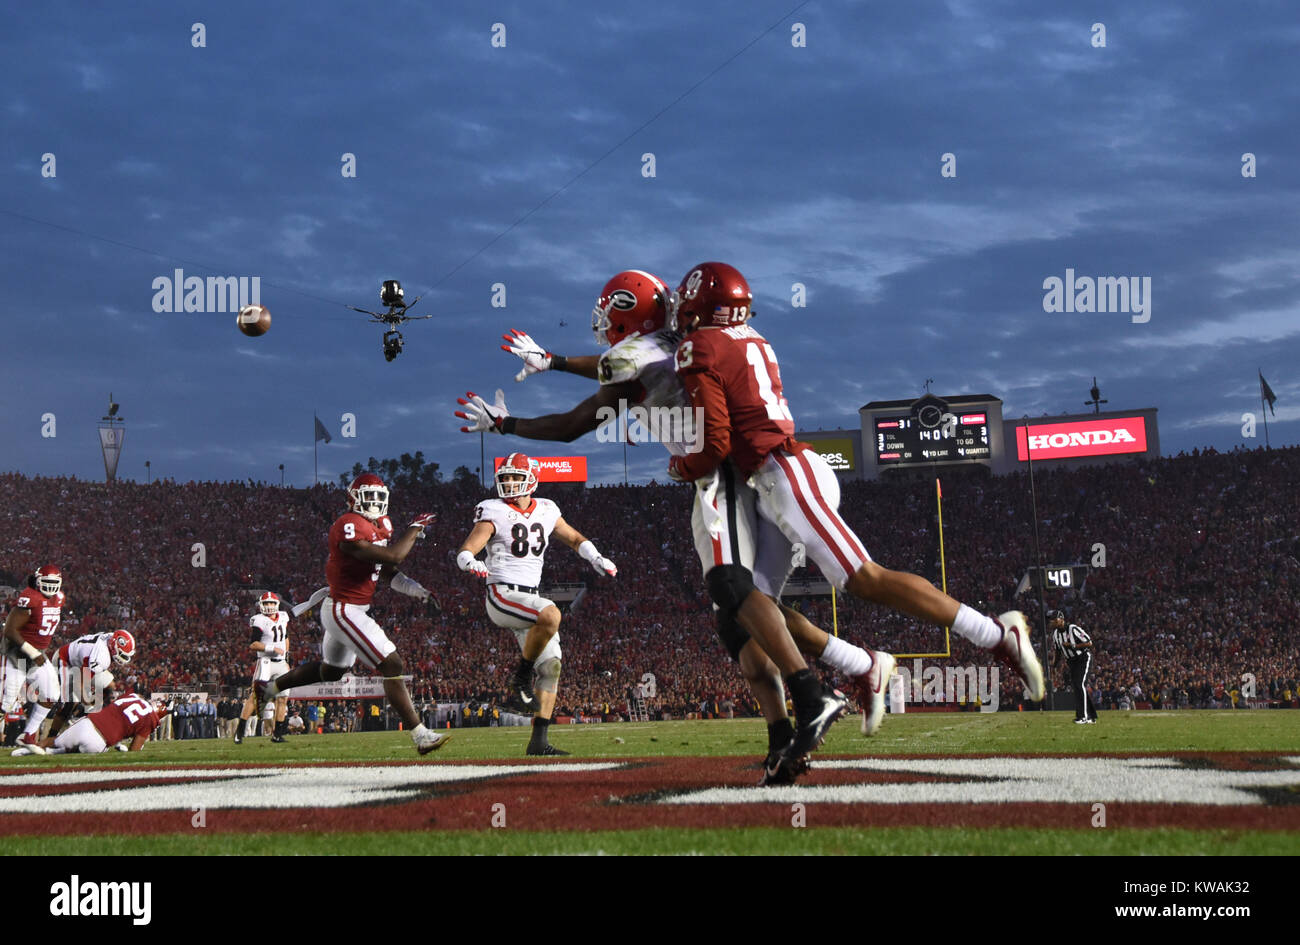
column 522, row 164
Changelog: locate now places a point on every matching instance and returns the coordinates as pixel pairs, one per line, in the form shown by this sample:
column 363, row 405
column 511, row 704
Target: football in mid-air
column 254, row 320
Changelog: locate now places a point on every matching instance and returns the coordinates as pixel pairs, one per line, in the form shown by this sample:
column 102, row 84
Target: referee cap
column 1053, row 614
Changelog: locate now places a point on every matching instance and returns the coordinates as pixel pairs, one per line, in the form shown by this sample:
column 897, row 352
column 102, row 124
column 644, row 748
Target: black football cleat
column 815, row 721
column 521, row 697
column 277, row 737
column 779, row 770
column 547, row 749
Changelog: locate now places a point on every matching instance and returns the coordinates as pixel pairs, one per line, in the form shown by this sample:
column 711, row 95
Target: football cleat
column 870, row 690
column 521, row 695
column 780, row 770
column 277, row 737
column 19, row 752
column 813, row 725
column 1017, row 652
column 426, row 741
column 31, row 743
column 547, row 749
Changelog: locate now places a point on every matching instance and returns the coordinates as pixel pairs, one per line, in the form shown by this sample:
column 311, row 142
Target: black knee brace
column 733, row 635
column 729, row 585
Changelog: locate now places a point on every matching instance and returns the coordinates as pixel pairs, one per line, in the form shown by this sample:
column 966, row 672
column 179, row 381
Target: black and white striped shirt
column 1071, row 640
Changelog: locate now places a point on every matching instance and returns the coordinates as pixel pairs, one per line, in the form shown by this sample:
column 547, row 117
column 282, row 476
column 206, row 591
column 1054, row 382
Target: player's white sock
column 977, row 628
column 418, row 731
column 56, row 751
column 39, row 712
column 848, row 659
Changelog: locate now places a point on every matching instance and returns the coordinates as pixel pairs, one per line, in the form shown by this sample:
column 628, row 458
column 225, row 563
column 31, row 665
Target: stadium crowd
column 1199, row 593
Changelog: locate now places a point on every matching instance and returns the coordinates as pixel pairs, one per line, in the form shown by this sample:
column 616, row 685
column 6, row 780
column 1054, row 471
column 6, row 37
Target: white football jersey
column 517, row 547
column 651, row 359
column 274, row 630
column 89, row 652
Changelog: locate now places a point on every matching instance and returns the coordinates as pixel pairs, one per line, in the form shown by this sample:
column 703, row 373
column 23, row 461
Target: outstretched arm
column 598, row 409
column 537, row 359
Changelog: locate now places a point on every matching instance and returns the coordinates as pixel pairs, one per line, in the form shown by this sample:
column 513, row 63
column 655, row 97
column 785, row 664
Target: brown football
column 254, row 320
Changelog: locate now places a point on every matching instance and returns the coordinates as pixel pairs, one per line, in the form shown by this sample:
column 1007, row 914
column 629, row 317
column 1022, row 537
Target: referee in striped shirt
column 1076, row 646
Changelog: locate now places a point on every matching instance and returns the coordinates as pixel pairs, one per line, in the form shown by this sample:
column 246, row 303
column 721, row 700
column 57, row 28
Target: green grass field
column 1134, row 733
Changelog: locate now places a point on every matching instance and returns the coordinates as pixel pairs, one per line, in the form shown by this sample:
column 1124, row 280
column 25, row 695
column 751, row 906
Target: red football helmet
column 122, row 645
column 368, row 496
column 633, row 302
column 712, row 293
column 517, row 476
column 269, row 603
column 48, row 580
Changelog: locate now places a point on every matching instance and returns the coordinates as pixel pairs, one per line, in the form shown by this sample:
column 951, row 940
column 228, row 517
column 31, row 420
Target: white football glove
column 536, row 358
column 483, row 417
column 467, row 562
column 587, row 552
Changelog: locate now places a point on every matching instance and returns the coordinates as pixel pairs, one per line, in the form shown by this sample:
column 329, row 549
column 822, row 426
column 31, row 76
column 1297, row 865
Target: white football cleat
column 19, row 752
column 869, row 687
column 428, row 741
column 31, row 743
column 1017, row 652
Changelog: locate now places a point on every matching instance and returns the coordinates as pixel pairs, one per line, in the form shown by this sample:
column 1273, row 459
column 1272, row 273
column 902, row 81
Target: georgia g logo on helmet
column 633, row 302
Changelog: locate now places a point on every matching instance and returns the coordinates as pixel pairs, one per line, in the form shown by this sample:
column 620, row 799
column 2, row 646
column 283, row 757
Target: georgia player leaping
column 131, row 717
column 359, row 554
column 270, row 641
column 85, row 673
column 29, row 627
column 516, row 529
column 731, row 373
column 639, row 368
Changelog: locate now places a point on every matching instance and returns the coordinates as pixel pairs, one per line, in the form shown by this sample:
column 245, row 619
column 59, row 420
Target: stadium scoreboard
column 955, row 438
column 934, row 431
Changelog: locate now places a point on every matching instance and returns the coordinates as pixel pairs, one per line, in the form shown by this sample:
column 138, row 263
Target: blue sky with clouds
column 523, row 165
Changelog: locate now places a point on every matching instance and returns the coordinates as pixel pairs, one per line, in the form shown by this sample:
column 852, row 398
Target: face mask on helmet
column 368, row 496
column 49, row 580
column 122, row 646
column 516, row 477
column 633, row 302
column 269, row 604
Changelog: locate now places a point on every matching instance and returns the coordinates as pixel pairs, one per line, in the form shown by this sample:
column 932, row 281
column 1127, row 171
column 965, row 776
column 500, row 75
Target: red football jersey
column 126, row 717
column 732, row 374
column 46, row 613
column 352, row 580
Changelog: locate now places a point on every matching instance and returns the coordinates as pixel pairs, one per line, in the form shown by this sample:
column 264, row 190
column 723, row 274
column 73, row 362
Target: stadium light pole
column 147, row 473
column 1038, row 557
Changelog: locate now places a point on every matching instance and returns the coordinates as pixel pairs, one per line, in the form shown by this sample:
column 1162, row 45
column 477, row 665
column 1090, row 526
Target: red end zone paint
column 1235, row 791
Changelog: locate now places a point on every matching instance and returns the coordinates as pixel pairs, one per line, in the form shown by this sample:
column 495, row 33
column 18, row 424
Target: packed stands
column 1201, row 583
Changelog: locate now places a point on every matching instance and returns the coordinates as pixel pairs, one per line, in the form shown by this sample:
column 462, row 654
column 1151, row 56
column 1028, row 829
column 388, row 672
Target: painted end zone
column 1256, row 791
